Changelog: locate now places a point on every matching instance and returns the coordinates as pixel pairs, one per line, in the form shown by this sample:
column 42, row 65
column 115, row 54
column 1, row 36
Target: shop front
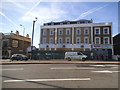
column 102, row 52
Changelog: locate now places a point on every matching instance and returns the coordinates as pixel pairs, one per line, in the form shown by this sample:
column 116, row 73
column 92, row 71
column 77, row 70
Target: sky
column 16, row 12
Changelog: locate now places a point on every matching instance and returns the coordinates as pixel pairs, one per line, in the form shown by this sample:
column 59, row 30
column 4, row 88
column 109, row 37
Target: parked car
column 75, row 56
column 19, row 57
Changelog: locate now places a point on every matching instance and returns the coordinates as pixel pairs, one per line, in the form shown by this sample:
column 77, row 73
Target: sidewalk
column 6, row 62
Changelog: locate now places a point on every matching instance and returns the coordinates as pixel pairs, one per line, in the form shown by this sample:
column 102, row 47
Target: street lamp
column 23, row 29
column 23, row 39
column 33, row 34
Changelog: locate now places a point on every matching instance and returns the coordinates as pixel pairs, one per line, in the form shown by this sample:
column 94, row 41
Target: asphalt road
column 60, row 76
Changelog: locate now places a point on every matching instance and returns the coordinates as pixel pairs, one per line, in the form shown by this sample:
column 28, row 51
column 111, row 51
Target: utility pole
column 23, row 39
column 33, row 35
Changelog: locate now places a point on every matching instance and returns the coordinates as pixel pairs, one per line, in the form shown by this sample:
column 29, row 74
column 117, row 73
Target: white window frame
column 85, row 31
column 67, row 31
column 50, row 41
column 44, row 32
column 79, row 40
column 77, row 31
column 99, row 40
column 108, row 40
column 59, row 40
column 95, row 31
column 59, row 31
column 52, row 30
column 67, row 39
column 44, row 40
column 104, row 30
column 85, row 40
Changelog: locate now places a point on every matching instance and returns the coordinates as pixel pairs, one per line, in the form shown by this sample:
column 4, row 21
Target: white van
column 75, row 56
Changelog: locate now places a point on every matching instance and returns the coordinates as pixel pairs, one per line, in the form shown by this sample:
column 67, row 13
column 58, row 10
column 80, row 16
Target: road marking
column 41, row 80
column 104, row 71
column 104, row 65
column 13, row 69
column 11, row 65
column 98, row 65
column 71, row 68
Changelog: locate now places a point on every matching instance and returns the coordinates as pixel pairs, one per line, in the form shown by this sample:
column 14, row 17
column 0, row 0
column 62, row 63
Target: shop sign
column 103, row 46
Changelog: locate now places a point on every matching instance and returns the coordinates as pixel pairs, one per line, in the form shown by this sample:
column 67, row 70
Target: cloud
column 2, row 14
column 17, row 4
column 90, row 11
column 33, row 7
column 44, row 13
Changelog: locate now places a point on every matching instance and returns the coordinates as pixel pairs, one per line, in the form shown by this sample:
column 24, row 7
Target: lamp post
column 23, row 39
column 33, row 35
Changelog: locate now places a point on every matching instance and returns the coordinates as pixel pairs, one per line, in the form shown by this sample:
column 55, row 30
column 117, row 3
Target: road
column 60, row 76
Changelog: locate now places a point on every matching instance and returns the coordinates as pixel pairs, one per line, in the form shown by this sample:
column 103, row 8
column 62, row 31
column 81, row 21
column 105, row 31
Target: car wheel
column 69, row 59
column 83, row 59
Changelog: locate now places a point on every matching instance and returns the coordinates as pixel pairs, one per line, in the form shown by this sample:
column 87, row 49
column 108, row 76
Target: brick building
column 81, row 35
column 13, row 43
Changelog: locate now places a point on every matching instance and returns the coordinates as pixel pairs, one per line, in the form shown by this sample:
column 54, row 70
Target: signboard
column 103, row 46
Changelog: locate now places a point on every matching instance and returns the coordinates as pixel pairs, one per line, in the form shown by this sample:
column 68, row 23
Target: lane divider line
column 13, row 69
column 70, row 68
column 41, row 80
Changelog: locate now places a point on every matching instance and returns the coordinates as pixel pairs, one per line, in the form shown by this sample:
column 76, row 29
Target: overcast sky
column 14, row 12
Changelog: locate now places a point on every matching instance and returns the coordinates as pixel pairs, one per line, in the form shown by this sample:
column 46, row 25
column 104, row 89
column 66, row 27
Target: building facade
column 81, row 35
column 116, row 43
column 13, row 43
column 1, row 45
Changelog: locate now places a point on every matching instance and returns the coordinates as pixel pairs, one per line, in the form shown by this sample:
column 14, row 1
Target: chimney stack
column 17, row 32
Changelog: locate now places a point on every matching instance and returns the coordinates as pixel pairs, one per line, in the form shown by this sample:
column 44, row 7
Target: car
column 75, row 56
column 19, row 57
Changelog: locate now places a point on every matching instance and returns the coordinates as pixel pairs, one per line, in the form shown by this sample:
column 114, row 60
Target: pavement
column 8, row 61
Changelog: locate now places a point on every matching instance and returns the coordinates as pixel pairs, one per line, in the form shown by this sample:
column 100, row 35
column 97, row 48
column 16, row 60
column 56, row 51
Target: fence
column 43, row 55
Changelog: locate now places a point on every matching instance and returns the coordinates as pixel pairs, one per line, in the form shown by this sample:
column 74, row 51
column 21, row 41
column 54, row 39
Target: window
column 60, row 31
column 86, row 40
column 78, row 31
column 68, row 40
column 44, row 32
column 51, row 40
column 15, row 43
column 78, row 40
column 79, row 53
column 97, row 30
column 60, row 40
column 106, row 30
column 106, row 40
column 44, row 41
column 97, row 40
column 86, row 31
column 51, row 32
column 67, row 31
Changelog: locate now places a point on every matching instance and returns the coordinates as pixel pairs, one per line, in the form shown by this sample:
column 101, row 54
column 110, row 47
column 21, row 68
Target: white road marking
column 98, row 65
column 104, row 71
column 69, row 68
column 104, row 65
column 11, row 65
column 13, row 69
column 112, row 65
column 41, row 80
